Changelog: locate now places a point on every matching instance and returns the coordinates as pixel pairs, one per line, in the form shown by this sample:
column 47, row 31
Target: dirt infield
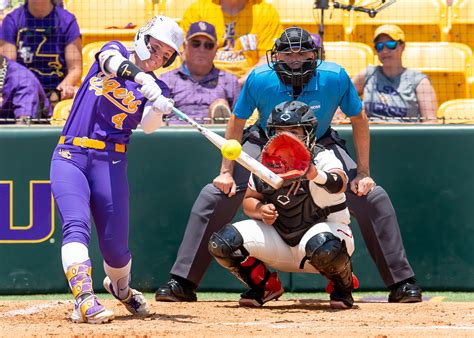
column 225, row 318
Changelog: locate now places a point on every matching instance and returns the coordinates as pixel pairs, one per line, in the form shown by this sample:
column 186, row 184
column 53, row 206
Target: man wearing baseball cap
column 393, row 93
column 197, row 87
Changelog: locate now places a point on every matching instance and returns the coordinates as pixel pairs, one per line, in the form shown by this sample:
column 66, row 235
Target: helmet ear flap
column 171, row 60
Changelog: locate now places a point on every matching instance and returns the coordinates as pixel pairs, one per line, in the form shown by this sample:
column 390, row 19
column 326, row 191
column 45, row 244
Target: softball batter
column 89, row 165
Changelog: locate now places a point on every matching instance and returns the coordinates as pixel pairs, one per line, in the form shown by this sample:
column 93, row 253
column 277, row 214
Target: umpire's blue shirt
column 328, row 89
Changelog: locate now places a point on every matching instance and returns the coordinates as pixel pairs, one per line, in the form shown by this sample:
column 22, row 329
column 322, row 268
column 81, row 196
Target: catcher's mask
column 291, row 114
column 163, row 29
column 294, row 40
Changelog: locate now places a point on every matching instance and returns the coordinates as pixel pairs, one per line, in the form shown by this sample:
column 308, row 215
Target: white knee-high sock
column 73, row 253
column 120, row 278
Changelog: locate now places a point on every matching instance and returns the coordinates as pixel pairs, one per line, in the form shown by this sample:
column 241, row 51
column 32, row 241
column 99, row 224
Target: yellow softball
column 231, row 149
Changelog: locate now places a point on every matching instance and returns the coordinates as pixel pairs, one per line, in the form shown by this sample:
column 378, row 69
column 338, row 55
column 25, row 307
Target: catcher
column 301, row 227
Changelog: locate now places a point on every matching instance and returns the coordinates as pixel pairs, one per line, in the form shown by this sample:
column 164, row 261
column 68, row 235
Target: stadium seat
column 109, row 19
column 460, row 21
column 447, row 64
column 353, row 56
column 457, row 111
column 173, row 8
column 420, row 20
column 301, row 13
column 90, row 50
column 61, row 112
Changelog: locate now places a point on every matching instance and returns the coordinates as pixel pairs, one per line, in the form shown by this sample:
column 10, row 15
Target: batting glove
column 150, row 88
column 163, row 105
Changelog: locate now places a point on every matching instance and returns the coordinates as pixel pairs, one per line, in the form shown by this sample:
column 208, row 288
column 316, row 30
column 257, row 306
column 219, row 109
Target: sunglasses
column 197, row 43
column 389, row 44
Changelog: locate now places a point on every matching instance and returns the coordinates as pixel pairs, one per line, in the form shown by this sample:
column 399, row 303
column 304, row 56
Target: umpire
column 291, row 72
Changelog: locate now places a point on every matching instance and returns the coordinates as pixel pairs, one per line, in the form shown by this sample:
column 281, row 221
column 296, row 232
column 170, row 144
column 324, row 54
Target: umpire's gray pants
column 374, row 213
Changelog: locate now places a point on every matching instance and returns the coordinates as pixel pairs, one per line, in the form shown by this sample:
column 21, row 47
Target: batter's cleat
column 173, row 291
column 256, row 297
column 341, row 300
column 405, row 292
column 135, row 302
column 87, row 309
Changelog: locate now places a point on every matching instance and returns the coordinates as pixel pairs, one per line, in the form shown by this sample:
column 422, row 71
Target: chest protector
column 297, row 212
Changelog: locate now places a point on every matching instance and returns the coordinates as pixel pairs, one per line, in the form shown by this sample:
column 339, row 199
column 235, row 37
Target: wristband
column 333, row 184
column 321, row 178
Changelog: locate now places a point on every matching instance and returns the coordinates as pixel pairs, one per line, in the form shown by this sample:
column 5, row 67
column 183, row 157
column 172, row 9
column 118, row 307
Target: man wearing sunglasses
column 393, row 93
column 197, row 87
column 246, row 29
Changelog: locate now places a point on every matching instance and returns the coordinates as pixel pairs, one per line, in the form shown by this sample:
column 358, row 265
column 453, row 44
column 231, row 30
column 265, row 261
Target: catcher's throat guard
column 287, row 156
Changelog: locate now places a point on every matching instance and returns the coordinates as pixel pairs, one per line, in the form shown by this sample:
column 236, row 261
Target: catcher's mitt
column 287, row 156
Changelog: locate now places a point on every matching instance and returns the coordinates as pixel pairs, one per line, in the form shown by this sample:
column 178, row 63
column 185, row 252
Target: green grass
column 234, row 296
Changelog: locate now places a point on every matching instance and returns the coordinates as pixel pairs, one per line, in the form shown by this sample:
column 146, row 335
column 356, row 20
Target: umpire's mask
column 294, row 73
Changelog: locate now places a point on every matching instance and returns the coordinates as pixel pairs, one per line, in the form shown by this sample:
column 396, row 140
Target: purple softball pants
column 88, row 180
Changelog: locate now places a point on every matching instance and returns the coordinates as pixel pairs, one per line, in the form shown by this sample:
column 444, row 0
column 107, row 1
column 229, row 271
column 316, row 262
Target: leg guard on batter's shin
column 328, row 254
column 87, row 308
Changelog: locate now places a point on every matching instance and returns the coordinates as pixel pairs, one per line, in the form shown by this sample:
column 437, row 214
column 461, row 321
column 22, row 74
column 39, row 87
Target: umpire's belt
column 85, row 142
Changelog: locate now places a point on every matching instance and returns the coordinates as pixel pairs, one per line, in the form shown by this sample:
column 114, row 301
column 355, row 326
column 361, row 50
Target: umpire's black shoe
column 173, row 291
column 405, row 292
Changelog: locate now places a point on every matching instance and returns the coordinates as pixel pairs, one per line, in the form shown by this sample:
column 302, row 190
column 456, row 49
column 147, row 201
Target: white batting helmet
column 163, row 29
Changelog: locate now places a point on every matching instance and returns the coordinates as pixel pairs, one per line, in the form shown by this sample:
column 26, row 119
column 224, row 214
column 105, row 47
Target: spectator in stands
column 393, row 93
column 45, row 38
column 22, row 97
column 246, row 29
column 198, row 88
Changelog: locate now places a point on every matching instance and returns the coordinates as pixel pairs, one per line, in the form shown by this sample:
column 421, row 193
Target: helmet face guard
column 291, row 114
column 294, row 40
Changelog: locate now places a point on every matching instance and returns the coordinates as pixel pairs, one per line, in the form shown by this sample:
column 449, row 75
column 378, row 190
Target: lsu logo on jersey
column 107, row 86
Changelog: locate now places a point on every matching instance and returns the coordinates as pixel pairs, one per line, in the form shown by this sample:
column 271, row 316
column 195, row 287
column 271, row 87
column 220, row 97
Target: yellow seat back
column 447, row 64
column 92, row 14
column 96, row 18
column 61, row 112
column 353, row 56
column 457, row 111
column 173, row 9
column 420, row 20
column 460, row 21
column 303, row 14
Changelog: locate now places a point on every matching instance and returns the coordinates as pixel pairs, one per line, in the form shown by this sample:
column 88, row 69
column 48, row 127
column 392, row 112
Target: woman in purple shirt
column 45, row 38
column 89, row 165
column 21, row 96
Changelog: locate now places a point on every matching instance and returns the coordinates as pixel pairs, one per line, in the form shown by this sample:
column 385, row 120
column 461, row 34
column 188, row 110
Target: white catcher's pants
column 262, row 241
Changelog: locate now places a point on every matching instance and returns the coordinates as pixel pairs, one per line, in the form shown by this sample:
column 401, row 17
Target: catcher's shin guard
column 87, row 308
column 135, row 302
column 328, row 254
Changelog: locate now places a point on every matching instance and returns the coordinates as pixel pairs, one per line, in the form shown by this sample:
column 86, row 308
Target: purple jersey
column 107, row 108
column 22, row 94
column 41, row 42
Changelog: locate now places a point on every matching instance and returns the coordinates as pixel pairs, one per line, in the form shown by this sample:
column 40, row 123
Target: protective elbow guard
column 127, row 70
column 334, row 183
